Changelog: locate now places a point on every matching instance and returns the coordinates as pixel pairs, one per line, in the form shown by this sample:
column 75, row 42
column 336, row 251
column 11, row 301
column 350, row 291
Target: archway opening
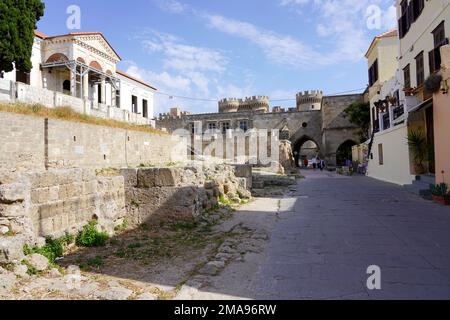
column 344, row 153
column 305, row 149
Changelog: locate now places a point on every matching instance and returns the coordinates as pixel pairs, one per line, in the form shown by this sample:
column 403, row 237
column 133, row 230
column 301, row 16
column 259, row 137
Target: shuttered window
column 420, row 72
column 407, row 76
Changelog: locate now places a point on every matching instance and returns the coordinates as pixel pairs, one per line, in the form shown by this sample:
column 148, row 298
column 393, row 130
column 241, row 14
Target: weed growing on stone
column 91, row 237
column 53, row 248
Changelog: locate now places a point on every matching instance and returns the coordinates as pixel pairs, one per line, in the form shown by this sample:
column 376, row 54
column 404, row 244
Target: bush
column 91, row 237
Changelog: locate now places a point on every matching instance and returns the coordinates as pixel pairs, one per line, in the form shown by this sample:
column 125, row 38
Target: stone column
column 73, row 82
column 86, row 86
column 113, row 96
column 85, row 95
column 103, row 91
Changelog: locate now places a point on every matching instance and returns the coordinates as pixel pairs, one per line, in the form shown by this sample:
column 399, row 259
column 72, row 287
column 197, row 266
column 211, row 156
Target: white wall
column 132, row 88
column 395, row 168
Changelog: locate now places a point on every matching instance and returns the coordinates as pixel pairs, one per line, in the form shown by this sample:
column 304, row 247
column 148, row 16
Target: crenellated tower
column 309, row 100
column 257, row 104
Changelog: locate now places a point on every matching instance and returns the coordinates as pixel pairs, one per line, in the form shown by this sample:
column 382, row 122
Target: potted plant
column 433, row 83
column 441, row 194
column 418, row 145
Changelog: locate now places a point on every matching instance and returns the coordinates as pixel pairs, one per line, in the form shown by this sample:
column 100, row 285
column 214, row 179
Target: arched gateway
column 317, row 126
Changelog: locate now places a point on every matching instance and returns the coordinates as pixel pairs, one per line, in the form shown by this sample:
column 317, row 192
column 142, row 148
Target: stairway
column 421, row 185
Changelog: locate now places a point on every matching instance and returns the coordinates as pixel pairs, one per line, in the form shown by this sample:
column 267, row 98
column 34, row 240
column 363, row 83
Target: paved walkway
column 333, row 228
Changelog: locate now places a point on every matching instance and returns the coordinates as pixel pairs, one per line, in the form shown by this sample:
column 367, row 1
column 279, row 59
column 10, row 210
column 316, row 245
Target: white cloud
column 172, row 6
column 182, row 57
column 280, row 49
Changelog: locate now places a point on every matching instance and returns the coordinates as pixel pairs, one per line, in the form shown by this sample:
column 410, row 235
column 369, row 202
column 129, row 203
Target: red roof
column 40, row 34
column 134, row 79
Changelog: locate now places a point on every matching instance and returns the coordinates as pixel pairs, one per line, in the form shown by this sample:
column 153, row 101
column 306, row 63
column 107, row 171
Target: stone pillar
column 103, row 91
column 73, row 82
column 113, row 96
column 86, row 86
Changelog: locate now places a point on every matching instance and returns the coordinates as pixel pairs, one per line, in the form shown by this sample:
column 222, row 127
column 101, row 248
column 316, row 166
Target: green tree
column 359, row 114
column 18, row 20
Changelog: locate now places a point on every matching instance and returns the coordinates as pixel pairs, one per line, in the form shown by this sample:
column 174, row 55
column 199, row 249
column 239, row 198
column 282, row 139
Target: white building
column 80, row 70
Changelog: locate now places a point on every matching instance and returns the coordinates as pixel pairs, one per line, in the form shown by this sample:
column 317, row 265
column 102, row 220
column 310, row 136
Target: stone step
column 427, row 179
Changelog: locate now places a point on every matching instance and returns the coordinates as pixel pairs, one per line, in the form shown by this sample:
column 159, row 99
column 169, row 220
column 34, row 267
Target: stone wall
column 183, row 193
column 51, row 203
column 32, row 143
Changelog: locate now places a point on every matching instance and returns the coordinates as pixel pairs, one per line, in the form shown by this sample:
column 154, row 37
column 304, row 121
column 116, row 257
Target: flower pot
column 442, row 200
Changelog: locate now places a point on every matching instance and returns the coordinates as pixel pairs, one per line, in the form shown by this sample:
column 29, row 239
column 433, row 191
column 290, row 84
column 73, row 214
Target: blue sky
column 211, row 49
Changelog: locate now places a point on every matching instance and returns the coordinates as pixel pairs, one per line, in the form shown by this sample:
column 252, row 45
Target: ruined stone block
column 14, row 192
column 11, row 249
column 130, row 177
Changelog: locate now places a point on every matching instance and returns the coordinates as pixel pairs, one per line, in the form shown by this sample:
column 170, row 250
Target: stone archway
column 344, row 152
column 307, row 147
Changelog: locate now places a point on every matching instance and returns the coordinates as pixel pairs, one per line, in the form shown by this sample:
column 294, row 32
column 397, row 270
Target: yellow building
column 388, row 150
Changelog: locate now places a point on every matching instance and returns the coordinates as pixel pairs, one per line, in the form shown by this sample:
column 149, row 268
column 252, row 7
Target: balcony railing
column 398, row 112
column 376, row 126
column 386, row 121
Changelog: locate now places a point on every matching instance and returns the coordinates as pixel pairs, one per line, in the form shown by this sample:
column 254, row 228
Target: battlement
column 310, row 94
column 254, row 103
column 309, row 100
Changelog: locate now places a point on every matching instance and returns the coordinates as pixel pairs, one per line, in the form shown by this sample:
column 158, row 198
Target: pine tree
column 18, row 20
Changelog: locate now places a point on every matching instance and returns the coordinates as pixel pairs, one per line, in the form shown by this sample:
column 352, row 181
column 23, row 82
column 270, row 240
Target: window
column 373, row 73
column 66, row 85
column 243, row 125
column 212, row 126
column 134, row 104
column 409, row 14
column 380, row 154
column 23, row 77
column 439, row 35
column 420, row 73
column 407, row 76
column 117, row 98
column 404, row 6
column 225, row 127
column 99, row 95
column 144, row 108
column 416, row 9
column 434, row 56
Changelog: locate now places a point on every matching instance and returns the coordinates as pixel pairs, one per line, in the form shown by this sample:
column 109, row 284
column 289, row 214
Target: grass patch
column 96, row 262
column 67, row 114
column 91, row 237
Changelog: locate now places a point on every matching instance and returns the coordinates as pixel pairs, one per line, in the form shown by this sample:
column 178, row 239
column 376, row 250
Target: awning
column 422, row 105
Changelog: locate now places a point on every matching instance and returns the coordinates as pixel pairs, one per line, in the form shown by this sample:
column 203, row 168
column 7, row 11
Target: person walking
column 305, row 163
column 314, row 162
column 322, row 165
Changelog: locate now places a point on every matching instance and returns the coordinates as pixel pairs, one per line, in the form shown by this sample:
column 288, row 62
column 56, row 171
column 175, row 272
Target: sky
column 207, row 50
